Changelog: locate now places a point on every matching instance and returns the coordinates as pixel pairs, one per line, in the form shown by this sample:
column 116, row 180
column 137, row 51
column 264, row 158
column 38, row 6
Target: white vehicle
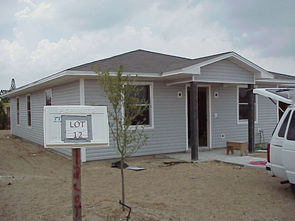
column 281, row 150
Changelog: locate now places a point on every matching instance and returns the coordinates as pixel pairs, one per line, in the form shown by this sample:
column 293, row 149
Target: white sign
column 75, row 126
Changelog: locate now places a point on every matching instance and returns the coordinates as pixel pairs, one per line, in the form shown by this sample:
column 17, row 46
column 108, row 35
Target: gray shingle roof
column 282, row 76
column 141, row 61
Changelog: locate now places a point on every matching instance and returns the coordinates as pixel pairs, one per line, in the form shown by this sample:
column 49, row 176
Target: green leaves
column 128, row 108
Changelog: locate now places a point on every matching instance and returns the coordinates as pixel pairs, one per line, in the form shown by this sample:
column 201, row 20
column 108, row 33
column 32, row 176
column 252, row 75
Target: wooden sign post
column 76, row 182
column 75, row 127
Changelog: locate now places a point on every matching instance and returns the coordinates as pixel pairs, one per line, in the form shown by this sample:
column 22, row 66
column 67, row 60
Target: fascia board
column 196, row 69
column 263, row 73
column 35, row 83
column 73, row 73
column 93, row 73
column 276, row 81
column 193, row 69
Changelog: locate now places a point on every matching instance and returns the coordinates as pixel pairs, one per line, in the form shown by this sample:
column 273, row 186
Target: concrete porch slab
column 220, row 155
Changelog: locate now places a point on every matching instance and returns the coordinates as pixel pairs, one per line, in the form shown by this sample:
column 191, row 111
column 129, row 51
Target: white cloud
column 35, row 11
column 25, row 13
column 46, row 42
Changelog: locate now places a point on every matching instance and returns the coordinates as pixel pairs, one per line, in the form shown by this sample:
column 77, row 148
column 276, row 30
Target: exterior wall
column 224, row 71
column 35, row 132
column 169, row 132
column 226, row 121
column 62, row 95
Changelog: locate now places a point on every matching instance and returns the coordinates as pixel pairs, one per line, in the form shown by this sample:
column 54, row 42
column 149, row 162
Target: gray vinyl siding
column 226, row 122
column 33, row 133
column 224, row 71
column 169, row 133
column 68, row 94
column 61, row 95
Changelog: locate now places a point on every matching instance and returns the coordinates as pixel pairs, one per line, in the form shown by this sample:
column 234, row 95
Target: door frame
column 209, row 120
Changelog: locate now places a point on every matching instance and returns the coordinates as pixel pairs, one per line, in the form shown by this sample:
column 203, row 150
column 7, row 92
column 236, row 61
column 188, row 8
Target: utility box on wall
column 75, row 126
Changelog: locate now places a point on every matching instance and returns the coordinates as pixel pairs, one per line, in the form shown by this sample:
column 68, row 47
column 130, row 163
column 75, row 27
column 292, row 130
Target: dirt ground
column 35, row 184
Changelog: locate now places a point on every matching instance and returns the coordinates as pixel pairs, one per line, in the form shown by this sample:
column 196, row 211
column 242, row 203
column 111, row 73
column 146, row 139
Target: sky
column 42, row 37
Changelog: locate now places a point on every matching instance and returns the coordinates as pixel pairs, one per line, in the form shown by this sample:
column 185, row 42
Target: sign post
column 75, row 127
column 76, row 182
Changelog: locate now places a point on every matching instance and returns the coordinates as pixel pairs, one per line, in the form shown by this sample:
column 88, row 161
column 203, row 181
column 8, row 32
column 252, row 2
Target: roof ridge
column 208, row 56
column 129, row 52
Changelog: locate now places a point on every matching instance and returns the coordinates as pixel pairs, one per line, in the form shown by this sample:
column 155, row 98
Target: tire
column 293, row 188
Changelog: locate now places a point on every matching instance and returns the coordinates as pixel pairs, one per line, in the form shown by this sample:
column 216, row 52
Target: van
column 281, row 149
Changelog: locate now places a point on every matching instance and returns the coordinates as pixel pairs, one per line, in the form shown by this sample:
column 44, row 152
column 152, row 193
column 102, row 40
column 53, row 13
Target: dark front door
column 202, row 113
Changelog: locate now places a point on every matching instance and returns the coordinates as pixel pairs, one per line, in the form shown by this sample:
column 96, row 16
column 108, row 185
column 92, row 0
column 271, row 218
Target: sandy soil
column 35, row 184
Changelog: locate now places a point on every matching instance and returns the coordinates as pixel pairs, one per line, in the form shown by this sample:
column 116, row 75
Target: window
column 29, row 112
column 284, row 126
column 243, row 100
column 48, row 97
column 145, row 96
column 17, row 110
column 291, row 131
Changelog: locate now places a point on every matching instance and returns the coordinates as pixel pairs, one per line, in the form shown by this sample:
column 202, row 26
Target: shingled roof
column 141, row 61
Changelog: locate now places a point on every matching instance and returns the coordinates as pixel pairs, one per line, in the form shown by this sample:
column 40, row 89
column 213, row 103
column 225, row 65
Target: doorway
column 203, row 113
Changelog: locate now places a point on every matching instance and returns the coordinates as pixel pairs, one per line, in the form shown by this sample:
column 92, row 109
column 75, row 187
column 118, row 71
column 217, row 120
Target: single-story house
column 221, row 79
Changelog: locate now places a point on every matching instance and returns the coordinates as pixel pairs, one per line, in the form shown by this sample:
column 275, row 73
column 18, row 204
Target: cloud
column 50, row 36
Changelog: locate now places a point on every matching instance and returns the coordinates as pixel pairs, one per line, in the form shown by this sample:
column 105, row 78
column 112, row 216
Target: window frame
column 17, row 111
column 45, row 92
column 29, row 110
column 151, row 106
column 245, row 121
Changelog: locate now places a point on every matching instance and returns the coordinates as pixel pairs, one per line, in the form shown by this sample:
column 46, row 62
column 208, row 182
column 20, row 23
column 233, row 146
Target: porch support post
column 194, row 121
column 251, row 118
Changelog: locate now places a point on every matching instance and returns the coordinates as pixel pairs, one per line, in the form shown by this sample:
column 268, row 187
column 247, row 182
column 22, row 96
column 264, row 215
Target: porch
column 219, row 154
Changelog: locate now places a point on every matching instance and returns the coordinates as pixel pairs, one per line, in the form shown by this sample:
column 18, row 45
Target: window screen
column 29, row 113
column 143, row 95
column 243, row 104
column 17, row 110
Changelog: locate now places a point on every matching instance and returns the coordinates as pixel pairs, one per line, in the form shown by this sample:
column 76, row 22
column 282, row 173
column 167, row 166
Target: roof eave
column 196, row 68
column 69, row 74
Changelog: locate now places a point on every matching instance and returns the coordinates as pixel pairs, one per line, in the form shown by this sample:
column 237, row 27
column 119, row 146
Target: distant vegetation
column 4, row 124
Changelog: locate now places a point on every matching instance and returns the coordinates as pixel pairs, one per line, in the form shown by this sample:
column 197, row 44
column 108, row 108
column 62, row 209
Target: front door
column 202, row 113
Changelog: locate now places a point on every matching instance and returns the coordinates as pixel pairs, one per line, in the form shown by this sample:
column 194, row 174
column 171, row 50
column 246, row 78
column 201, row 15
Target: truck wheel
column 293, row 188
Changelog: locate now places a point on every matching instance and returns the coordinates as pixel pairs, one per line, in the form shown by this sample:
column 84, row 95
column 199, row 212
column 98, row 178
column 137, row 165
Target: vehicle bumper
column 268, row 169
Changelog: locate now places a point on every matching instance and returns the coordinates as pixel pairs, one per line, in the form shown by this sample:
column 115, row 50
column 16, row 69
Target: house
column 219, row 81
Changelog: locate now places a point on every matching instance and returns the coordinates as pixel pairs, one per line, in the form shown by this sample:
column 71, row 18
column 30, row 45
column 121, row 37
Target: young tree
column 126, row 115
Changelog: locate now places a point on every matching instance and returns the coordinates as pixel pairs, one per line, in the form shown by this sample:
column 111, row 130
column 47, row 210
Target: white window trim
column 29, row 126
column 18, row 113
column 82, row 102
column 45, row 92
column 151, row 126
column 238, row 107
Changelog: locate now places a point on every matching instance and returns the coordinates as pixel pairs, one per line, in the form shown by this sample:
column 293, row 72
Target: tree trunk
column 122, row 183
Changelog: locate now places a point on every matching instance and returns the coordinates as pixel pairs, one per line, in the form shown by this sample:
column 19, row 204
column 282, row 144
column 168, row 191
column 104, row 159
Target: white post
column 82, row 102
